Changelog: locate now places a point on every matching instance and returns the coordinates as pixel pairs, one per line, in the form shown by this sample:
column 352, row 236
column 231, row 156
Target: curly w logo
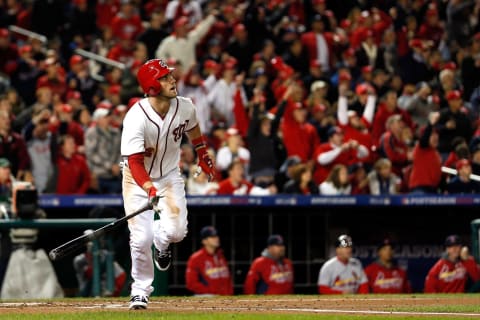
column 179, row 131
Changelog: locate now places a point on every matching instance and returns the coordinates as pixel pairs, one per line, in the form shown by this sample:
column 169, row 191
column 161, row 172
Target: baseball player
column 207, row 269
column 342, row 273
column 151, row 137
column 454, row 270
column 384, row 275
column 272, row 273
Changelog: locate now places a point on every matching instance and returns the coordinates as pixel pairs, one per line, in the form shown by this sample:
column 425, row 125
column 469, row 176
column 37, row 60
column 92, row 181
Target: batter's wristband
column 199, row 143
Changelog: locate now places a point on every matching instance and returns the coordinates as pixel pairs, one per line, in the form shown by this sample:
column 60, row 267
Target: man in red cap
column 462, row 183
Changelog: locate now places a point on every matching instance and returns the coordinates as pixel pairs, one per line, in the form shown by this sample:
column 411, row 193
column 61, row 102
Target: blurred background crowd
column 295, row 96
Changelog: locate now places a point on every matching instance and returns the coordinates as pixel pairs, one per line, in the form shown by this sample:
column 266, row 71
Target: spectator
column 301, row 182
column 453, row 270
column 461, row 183
column 224, row 95
column 384, row 275
column 236, row 184
column 73, row 175
column 13, row 147
column 232, row 150
column 41, row 145
column 102, row 150
column 336, row 151
column 272, row 272
column 356, row 128
column 425, row 175
column 387, row 108
column 154, row 33
column 342, row 274
column 54, row 78
column 182, row 43
column 207, row 269
column 64, row 124
column 263, row 138
column 381, row 180
column 393, row 144
column 453, row 123
column 319, row 43
column 337, row 182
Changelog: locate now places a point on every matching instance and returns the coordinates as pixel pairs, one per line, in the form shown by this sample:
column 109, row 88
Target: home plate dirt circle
column 368, row 304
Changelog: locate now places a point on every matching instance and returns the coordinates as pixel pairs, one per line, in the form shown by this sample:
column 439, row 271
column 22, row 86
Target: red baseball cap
column 344, row 76
column 75, row 59
column 362, row 88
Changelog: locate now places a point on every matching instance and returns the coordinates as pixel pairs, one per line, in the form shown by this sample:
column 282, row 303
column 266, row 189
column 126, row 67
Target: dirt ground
column 275, row 304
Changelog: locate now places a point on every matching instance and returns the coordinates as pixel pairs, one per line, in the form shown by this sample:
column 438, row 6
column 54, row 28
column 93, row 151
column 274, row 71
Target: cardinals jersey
column 208, row 274
column 447, row 276
column 338, row 277
column 160, row 139
column 387, row 280
column 268, row 276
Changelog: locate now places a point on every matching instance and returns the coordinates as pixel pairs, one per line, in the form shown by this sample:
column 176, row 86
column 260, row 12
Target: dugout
column 418, row 224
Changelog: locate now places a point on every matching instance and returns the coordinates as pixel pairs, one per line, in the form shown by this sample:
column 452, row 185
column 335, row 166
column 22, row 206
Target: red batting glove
column 206, row 163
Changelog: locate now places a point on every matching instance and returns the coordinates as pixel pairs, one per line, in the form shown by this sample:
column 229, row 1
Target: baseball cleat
column 162, row 259
column 138, row 302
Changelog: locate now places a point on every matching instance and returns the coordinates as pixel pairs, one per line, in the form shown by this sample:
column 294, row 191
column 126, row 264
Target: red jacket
column 387, row 280
column 268, row 276
column 208, row 274
column 426, row 168
column 300, row 139
column 73, row 175
column 450, row 277
column 309, row 41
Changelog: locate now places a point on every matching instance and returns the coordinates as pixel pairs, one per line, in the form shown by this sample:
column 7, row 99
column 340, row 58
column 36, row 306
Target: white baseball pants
column 144, row 230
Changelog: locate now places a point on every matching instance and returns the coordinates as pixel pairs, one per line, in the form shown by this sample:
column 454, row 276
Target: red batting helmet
column 149, row 74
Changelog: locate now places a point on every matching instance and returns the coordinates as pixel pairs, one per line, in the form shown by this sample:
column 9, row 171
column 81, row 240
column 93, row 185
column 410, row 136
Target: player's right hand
column 153, row 198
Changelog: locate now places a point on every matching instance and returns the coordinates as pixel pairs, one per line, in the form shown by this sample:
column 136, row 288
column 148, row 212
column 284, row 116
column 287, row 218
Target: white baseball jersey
column 345, row 277
column 145, row 131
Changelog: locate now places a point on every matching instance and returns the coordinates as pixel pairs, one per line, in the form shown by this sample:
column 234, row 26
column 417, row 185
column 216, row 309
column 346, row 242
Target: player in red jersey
column 272, row 273
column 207, row 269
column 384, row 275
column 451, row 273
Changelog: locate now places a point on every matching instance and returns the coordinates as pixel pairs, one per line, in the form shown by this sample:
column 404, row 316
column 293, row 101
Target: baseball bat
column 452, row 171
column 72, row 245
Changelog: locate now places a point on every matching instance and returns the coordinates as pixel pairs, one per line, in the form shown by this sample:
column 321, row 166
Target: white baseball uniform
column 144, row 131
column 345, row 277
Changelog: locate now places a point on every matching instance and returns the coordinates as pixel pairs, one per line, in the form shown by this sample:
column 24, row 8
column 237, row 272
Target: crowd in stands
column 296, row 96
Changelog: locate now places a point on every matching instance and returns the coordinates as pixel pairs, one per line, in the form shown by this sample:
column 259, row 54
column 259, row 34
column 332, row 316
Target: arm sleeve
column 342, row 111
column 472, row 269
column 327, row 157
column 369, row 111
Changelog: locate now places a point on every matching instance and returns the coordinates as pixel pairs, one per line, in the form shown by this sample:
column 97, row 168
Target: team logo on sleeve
column 179, row 131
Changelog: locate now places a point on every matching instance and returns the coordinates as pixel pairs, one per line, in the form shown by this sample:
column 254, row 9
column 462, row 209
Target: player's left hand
column 205, row 163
